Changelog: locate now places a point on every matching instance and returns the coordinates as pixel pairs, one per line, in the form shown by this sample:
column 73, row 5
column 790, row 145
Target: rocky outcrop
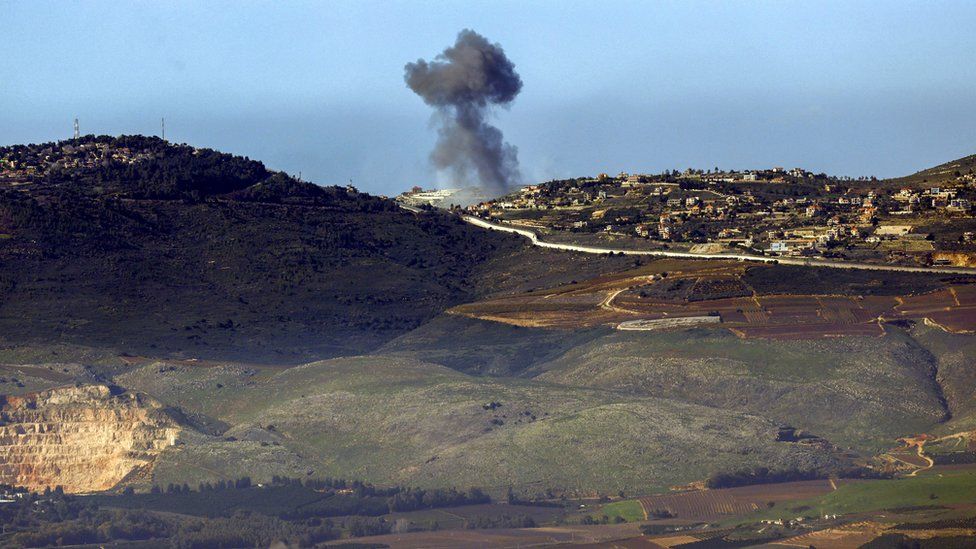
column 83, row 439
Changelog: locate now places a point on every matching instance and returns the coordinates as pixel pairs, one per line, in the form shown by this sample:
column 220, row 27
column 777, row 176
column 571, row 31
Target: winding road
column 826, row 263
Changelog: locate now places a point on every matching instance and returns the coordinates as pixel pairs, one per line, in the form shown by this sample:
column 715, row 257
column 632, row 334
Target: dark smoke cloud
column 463, row 83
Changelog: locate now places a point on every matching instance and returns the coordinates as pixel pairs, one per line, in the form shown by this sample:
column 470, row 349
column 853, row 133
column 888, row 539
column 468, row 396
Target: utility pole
column 77, row 129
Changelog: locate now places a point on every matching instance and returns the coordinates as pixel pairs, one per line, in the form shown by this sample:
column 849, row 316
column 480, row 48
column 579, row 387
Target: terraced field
column 671, row 289
column 709, row 505
column 850, row 535
column 953, row 309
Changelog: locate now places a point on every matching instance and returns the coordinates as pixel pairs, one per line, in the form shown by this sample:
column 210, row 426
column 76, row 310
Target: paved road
column 536, row 241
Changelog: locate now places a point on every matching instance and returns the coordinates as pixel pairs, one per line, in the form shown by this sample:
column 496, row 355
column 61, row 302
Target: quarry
column 83, row 439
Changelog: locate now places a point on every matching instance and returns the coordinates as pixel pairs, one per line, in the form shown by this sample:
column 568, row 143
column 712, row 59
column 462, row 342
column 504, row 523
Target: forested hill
column 146, row 247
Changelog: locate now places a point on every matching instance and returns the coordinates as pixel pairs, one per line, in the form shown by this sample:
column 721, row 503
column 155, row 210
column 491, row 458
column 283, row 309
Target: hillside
column 145, row 247
column 268, row 326
column 883, row 387
column 403, row 421
column 939, row 175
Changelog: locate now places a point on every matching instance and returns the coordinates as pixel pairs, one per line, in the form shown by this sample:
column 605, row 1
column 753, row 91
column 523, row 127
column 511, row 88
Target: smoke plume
column 463, row 83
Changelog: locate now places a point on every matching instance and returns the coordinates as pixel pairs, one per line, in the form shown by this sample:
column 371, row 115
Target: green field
column 935, row 488
column 629, row 509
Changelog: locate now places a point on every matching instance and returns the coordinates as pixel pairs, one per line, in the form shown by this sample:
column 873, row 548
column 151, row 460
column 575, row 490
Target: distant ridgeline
column 144, row 246
column 139, row 167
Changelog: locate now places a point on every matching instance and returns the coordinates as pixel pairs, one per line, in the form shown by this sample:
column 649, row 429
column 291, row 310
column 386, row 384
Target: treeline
column 413, row 499
column 292, row 499
column 241, row 530
column 502, row 521
column 513, row 499
column 759, row 475
column 589, row 519
column 235, row 513
column 763, row 475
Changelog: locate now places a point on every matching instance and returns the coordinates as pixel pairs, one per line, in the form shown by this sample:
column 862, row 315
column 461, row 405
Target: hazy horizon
column 848, row 90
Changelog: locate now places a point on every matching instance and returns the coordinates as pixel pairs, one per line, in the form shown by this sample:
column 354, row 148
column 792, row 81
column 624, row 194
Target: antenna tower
column 162, row 124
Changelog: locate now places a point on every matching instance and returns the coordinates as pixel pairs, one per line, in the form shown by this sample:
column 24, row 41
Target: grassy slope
column 399, row 420
column 484, row 347
column 954, row 355
column 860, row 392
column 938, row 174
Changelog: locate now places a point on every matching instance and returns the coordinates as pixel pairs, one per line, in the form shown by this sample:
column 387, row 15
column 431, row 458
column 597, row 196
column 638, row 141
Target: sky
column 848, row 88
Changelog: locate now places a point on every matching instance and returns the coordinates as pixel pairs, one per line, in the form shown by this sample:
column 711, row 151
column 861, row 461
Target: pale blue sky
column 851, row 88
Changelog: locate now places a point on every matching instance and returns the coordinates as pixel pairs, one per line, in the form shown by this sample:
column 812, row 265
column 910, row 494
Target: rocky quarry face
column 83, row 439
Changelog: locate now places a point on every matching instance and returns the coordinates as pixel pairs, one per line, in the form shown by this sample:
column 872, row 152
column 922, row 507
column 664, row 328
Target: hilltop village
column 922, row 219
column 775, row 212
column 21, row 164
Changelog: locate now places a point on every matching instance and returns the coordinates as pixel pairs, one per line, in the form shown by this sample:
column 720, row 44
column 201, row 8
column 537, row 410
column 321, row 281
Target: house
column 633, row 181
column 959, row 205
column 905, row 195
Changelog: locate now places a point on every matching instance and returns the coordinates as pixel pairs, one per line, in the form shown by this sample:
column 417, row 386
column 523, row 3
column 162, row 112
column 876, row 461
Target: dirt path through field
column 921, row 454
column 608, row 302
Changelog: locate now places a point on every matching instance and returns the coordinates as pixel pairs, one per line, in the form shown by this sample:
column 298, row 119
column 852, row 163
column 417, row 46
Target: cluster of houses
column 20, row 164
column 12, row 494
column 698, row 206
column 932, row 198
